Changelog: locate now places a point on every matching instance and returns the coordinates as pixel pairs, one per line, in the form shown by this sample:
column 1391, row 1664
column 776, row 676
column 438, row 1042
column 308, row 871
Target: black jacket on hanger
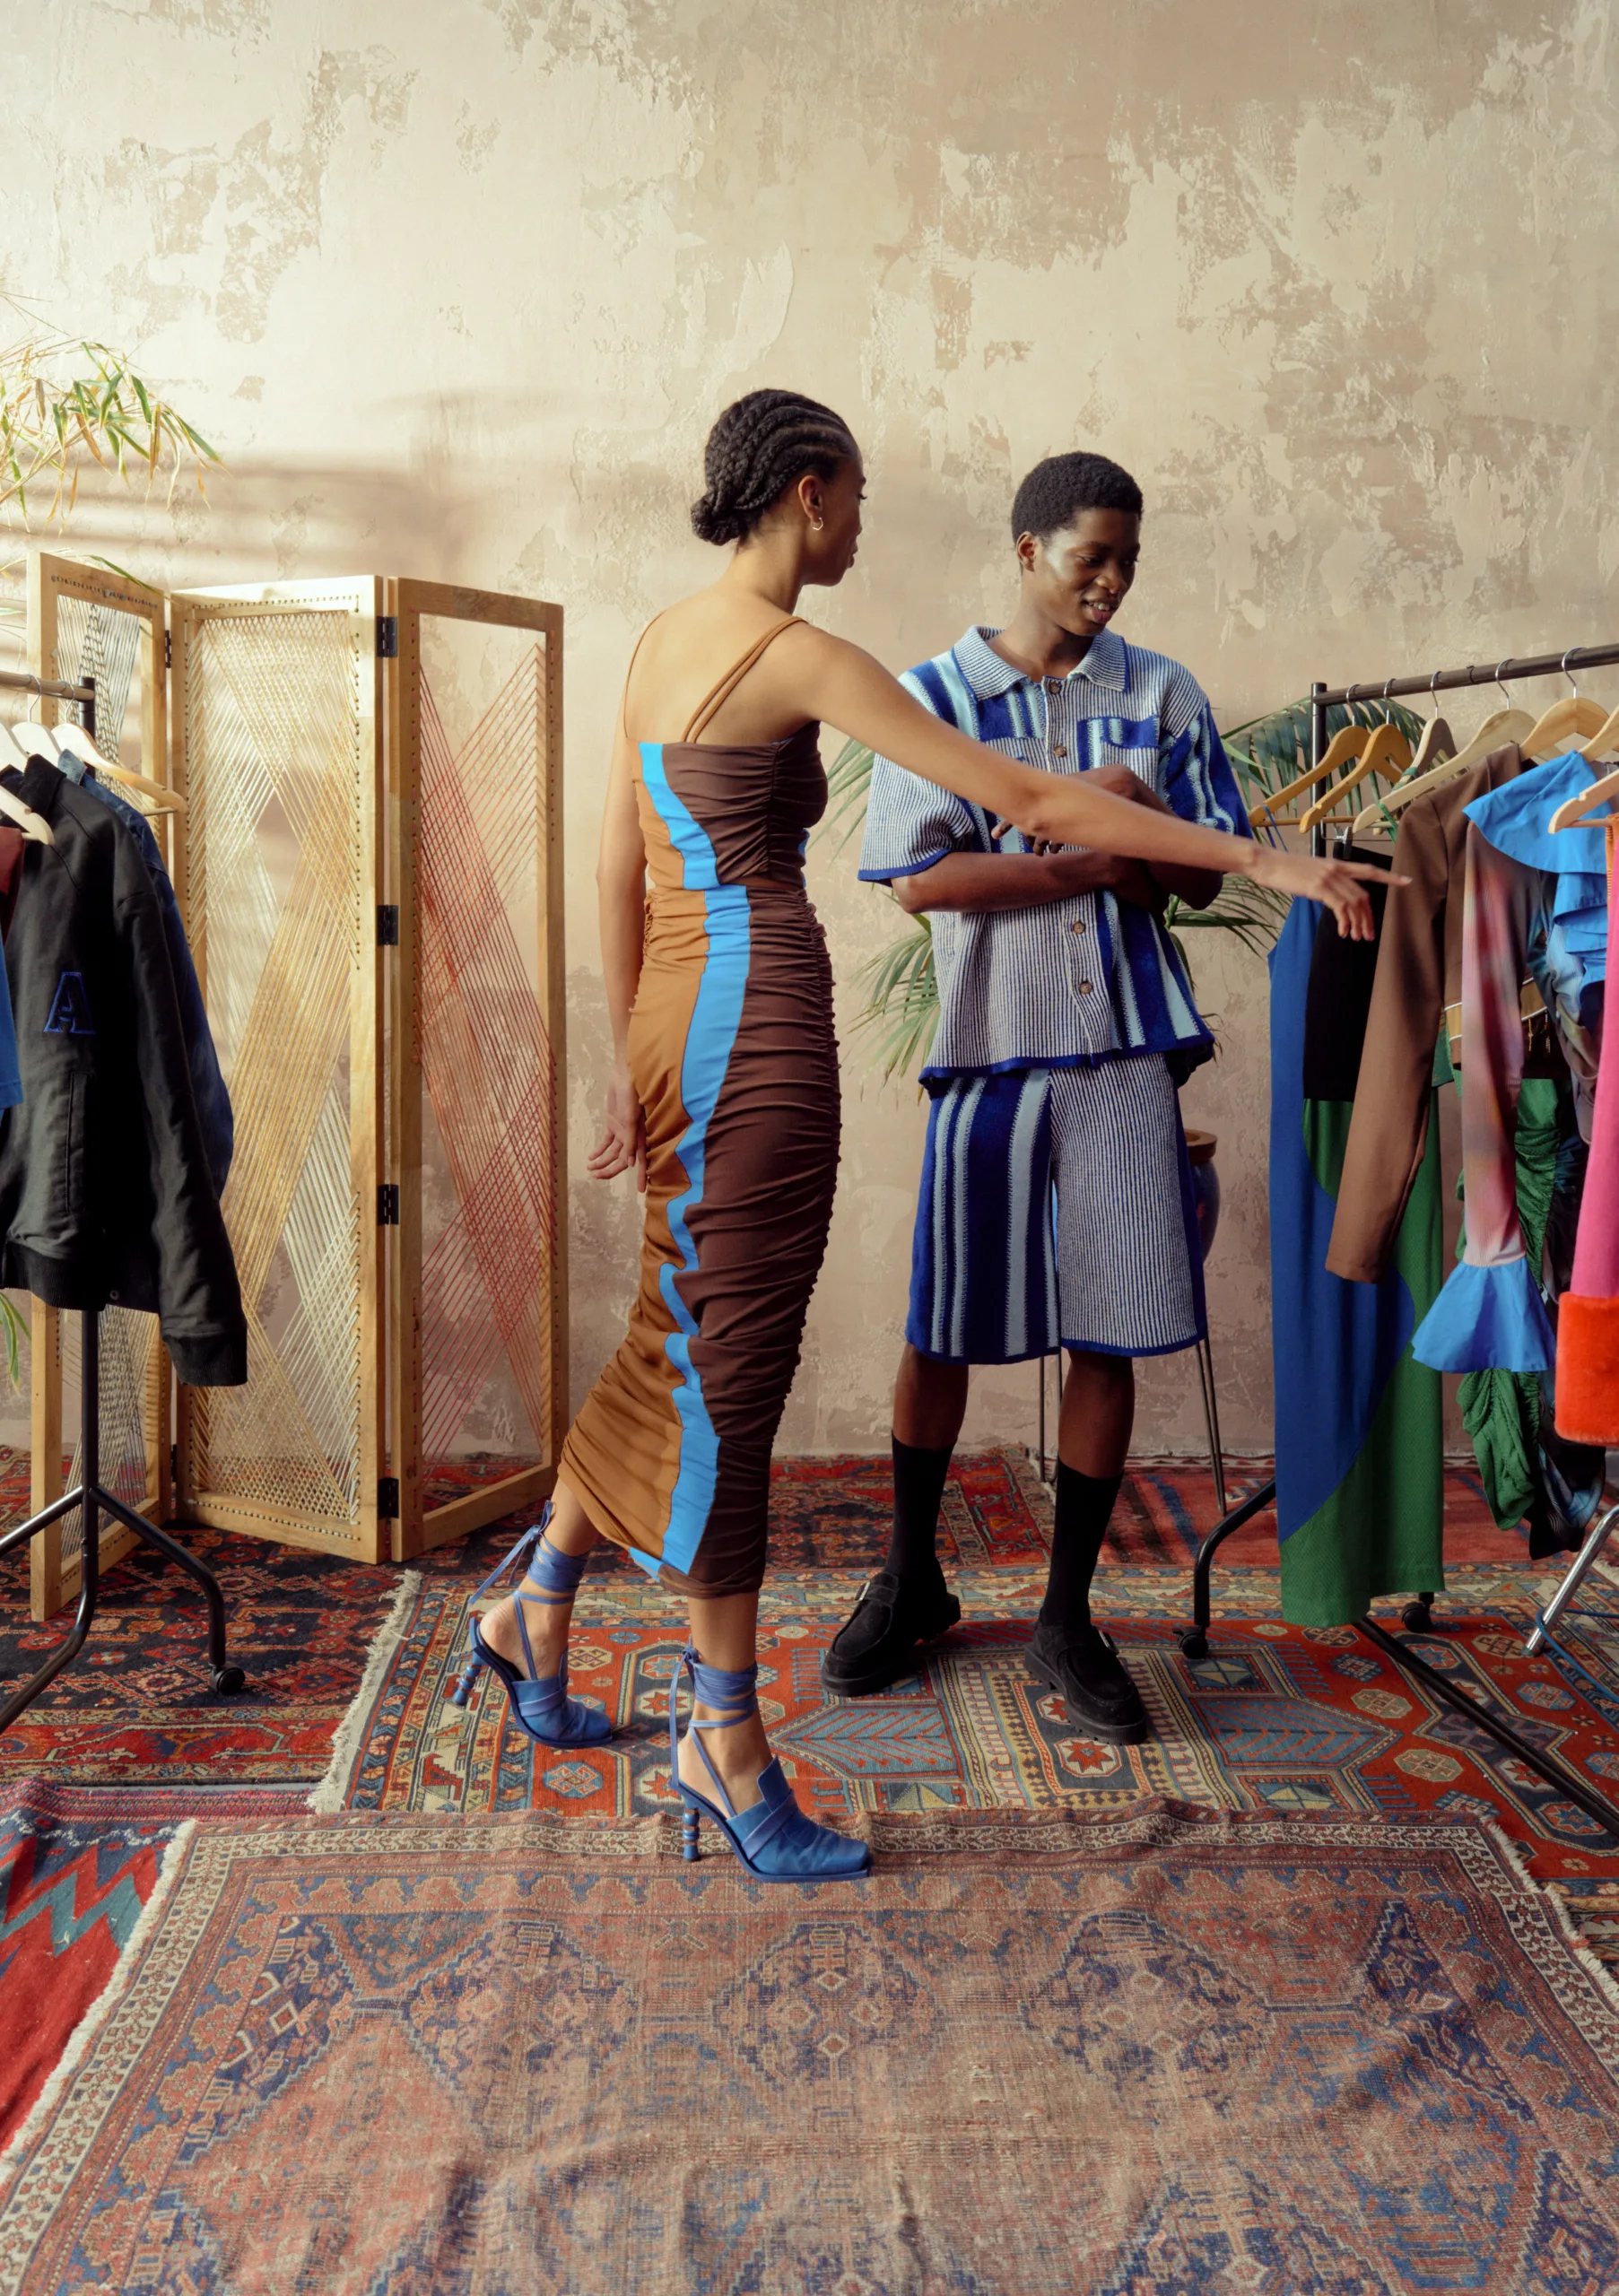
column 105, row 1192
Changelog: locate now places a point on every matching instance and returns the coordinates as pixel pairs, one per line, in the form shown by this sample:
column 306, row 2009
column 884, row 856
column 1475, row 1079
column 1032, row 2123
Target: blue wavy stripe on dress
column 1335, row 1344
column 711, row 1037
column 700, row 871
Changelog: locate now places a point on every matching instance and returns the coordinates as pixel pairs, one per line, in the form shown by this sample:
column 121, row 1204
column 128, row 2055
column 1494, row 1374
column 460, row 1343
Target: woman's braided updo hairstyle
column 758, row 447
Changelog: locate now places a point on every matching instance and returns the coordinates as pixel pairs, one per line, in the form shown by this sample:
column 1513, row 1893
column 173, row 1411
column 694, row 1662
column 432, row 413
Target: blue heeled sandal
column 541, row 1708
column 774, row 1839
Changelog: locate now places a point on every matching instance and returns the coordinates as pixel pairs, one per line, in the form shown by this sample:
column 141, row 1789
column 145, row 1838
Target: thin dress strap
column 623, row 699
column 718, row 695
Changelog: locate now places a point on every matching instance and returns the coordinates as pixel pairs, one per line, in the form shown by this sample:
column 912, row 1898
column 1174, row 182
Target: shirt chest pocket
column 1027, row 751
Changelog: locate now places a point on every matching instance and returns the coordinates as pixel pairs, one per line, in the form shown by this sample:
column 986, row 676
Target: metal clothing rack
column 1417, row 1615
column 89, row 1492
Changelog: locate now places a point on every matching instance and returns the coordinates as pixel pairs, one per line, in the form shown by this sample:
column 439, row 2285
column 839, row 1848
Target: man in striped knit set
column 1055, row 1201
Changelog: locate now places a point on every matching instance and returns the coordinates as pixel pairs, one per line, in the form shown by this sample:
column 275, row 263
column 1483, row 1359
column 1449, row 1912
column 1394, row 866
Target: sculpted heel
column 774, row 1839
column 541, row 1708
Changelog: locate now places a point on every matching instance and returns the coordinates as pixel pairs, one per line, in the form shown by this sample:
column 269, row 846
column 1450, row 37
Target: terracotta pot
column 1200, row 1148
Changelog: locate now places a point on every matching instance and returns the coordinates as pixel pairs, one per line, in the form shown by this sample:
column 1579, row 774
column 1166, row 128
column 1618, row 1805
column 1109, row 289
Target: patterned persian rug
column 1160, row 2052
column 833, row 1514
column 136, row 1707
column 77, row 1865
column 1277, row 1718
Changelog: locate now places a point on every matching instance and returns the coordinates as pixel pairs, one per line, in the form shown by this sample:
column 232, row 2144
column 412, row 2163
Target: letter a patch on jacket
column 70, row 1009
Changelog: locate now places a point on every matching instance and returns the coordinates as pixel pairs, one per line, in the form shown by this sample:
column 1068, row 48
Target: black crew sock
column 1084, row 1503
column 918, row 1491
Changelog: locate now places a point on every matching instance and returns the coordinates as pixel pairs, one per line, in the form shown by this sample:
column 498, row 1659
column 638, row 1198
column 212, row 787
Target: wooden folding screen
column 480, row 1307
column 278, row 748
column 86, row 623
column 369, row 868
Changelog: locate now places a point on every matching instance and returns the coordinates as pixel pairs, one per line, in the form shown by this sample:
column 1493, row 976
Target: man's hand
column 1082, row 872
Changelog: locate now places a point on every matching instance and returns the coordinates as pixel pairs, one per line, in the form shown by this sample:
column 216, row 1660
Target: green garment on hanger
column 1381, row 1530
column 1501, row 1410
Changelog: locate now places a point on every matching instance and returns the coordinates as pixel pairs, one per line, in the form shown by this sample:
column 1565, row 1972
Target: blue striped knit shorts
column 1057, row 1205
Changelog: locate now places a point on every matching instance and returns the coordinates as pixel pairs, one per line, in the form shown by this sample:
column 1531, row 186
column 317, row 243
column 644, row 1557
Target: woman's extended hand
column 1339, row 886
column 623, row 1141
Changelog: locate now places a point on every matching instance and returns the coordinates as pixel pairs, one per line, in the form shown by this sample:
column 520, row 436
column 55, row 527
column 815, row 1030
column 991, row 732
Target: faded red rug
column 77, row 1865
column 1166, row 2052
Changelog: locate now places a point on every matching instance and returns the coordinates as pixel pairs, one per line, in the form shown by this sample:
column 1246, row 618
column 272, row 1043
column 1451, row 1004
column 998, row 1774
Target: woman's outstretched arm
column 847, row 688
column 621, row 884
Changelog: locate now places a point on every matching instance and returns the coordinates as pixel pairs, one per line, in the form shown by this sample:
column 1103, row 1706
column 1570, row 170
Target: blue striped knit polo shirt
column 1091, row 977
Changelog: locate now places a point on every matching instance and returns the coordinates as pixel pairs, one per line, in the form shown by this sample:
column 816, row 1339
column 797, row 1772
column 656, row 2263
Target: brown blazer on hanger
column 1419, row 972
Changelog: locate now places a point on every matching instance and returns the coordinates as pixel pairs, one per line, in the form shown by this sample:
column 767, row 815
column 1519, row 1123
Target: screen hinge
column 387, row 925
column 388, row 1204
column 388, row 1498
column 387, row 638
column 168, row 649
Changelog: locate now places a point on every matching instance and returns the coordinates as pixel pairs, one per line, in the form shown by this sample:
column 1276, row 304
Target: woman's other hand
column 1339, row 886
column 623, row 1141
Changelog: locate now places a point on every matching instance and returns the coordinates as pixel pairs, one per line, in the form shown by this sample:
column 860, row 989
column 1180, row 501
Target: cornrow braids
column 759, row 446
column 1058, row 490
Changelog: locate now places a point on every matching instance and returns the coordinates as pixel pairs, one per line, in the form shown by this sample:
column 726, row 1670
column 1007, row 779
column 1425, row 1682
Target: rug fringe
column 89, row 2024
column 346, row 1746
column 1511, row 1856
column 1601, row 1977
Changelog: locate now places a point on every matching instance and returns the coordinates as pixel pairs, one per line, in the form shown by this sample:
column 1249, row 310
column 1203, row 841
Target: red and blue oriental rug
column 1279, row 1719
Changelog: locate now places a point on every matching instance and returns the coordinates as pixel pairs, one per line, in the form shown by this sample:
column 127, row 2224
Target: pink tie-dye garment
column 1596, row 1271
column 1490, row 1314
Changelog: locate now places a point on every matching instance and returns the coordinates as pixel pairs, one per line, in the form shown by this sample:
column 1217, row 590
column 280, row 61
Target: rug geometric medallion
column 1146, row 2055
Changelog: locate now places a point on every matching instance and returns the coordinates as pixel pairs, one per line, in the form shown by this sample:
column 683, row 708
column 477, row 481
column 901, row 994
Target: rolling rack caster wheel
column 228, row 1680
column 1193, row 1643
column 1417, row 1617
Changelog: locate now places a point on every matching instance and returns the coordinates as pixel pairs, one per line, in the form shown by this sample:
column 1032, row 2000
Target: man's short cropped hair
column 1058, row 490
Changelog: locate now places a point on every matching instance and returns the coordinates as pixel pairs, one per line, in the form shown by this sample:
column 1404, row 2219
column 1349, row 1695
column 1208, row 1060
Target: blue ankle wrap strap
column 733, row 1692
column 554, row 1576
column 558, row 1573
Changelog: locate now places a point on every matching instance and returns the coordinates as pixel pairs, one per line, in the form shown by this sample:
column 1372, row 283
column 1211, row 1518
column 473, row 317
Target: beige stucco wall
column 458, row 285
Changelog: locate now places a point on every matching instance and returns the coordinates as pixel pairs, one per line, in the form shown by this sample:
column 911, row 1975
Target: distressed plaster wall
column 458, row 285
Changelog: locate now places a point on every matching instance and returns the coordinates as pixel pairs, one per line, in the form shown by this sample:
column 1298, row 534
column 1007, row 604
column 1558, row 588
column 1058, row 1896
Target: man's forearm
column 995, row 880
column 1196, row 887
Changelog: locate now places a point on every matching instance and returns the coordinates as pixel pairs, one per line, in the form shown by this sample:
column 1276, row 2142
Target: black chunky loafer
column 1089, row 1674
column 882, row 1642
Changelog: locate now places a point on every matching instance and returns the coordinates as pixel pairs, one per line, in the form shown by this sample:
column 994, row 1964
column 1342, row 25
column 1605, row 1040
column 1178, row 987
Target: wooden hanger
column 1578, row 809
column 34, row 826
column 35, row 740
column 1557, row 730
column 83, row 745
column 1603, row 743
column 1436, row 744
column 1348, row 743
column 1502, row 726
column 1388, row 751
column 1437, row 747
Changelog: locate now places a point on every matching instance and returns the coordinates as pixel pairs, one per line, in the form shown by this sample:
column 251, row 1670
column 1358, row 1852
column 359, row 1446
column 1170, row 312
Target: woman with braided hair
column 724, row 1093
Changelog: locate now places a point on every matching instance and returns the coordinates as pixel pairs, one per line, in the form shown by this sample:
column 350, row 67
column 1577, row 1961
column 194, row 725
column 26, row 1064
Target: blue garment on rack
column 1359, row 1458
column 1515, row 819
column 207, row 1084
